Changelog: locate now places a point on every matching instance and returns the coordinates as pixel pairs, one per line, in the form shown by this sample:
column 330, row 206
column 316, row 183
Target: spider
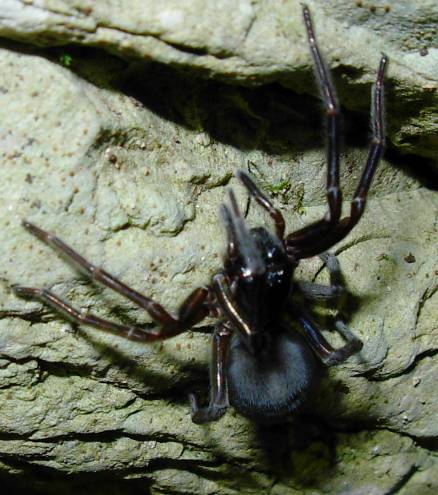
column 261, row 365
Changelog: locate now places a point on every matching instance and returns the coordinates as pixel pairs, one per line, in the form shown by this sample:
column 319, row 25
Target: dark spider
column 262, row 367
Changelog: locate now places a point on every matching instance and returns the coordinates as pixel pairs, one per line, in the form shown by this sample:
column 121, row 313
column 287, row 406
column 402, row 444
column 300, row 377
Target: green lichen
column 280, row 188
column 298, row 198
column 66, row 59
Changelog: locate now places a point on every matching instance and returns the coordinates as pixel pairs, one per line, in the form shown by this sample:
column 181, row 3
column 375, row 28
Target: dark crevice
column 190, row 50
column 242, row 476
column 239, row 476
column 418, row 358
column 266, row 117
column 38, row 316
column 402, row 482
column 422, row 169
column 204, row 468
column 203, row 330
column 49, row 481
column 108, row 436
column 269, row 117
column 372, row 426
column 428, row 443
column 64, row 369
column 5, row 436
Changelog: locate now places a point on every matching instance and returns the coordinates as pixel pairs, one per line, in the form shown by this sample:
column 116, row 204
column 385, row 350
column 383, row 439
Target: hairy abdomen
column 275, row 384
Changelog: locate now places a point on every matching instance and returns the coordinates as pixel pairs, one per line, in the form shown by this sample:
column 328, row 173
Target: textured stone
column 129, row 165
column 261, row 41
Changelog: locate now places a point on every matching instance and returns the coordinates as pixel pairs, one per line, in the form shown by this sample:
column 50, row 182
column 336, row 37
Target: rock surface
column 128, row 161
column 261, row 41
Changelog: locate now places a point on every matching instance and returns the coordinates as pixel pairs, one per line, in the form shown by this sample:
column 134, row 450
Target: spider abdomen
column 272, row 386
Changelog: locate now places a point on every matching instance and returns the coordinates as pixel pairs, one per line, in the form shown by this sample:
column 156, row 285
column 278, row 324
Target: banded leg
column 339, row 231
column 353, row 345
column 309, row 234
column 322, row 292
column 186, row 317
column 218, row 382
column 328, row 355
column 193, row 309
column 324, row 233
column 263, row 201
column 156, row 311
column 230, row 310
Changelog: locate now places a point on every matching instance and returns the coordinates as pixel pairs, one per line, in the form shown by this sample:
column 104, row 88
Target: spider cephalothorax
column 260, row 364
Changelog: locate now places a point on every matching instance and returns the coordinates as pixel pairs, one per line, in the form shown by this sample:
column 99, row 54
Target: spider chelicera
column 260, row 365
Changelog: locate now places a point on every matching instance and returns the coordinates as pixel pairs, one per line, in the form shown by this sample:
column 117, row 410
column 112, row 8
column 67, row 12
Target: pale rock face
column 127, row 157
column 252, row 42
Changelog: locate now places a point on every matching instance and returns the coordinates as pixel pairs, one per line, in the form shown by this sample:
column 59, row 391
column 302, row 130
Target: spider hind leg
column 328, row 355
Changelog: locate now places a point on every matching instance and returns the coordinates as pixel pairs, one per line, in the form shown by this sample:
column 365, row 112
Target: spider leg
column 263, row 201
column 317, row 292
column 353, row 344
column 244, row 252
column 192, row 310
column 323, row 234
column 332, row 264
column 218, row 383
column 328, row 355
column 244, row 244
column 232, row 250
column 333, row 192
column 128, row 332
column 230, row 310
column 319, row 344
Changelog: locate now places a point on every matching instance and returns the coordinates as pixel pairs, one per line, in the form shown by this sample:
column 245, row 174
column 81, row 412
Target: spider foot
column 353, row 345
column 202, row 415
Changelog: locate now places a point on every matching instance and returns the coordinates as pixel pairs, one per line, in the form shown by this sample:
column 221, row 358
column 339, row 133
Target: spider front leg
column 218, row 383
column 323, row 234
column 194, row 308
column 263, row 201
column 313, row 232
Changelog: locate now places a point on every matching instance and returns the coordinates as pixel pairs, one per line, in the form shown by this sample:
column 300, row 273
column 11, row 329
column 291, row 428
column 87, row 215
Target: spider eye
column 275, row 277
column 247, row 273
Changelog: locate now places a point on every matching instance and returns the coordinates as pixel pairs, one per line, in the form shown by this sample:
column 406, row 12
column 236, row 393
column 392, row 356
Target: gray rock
column 128, row 163
column 260, row 42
